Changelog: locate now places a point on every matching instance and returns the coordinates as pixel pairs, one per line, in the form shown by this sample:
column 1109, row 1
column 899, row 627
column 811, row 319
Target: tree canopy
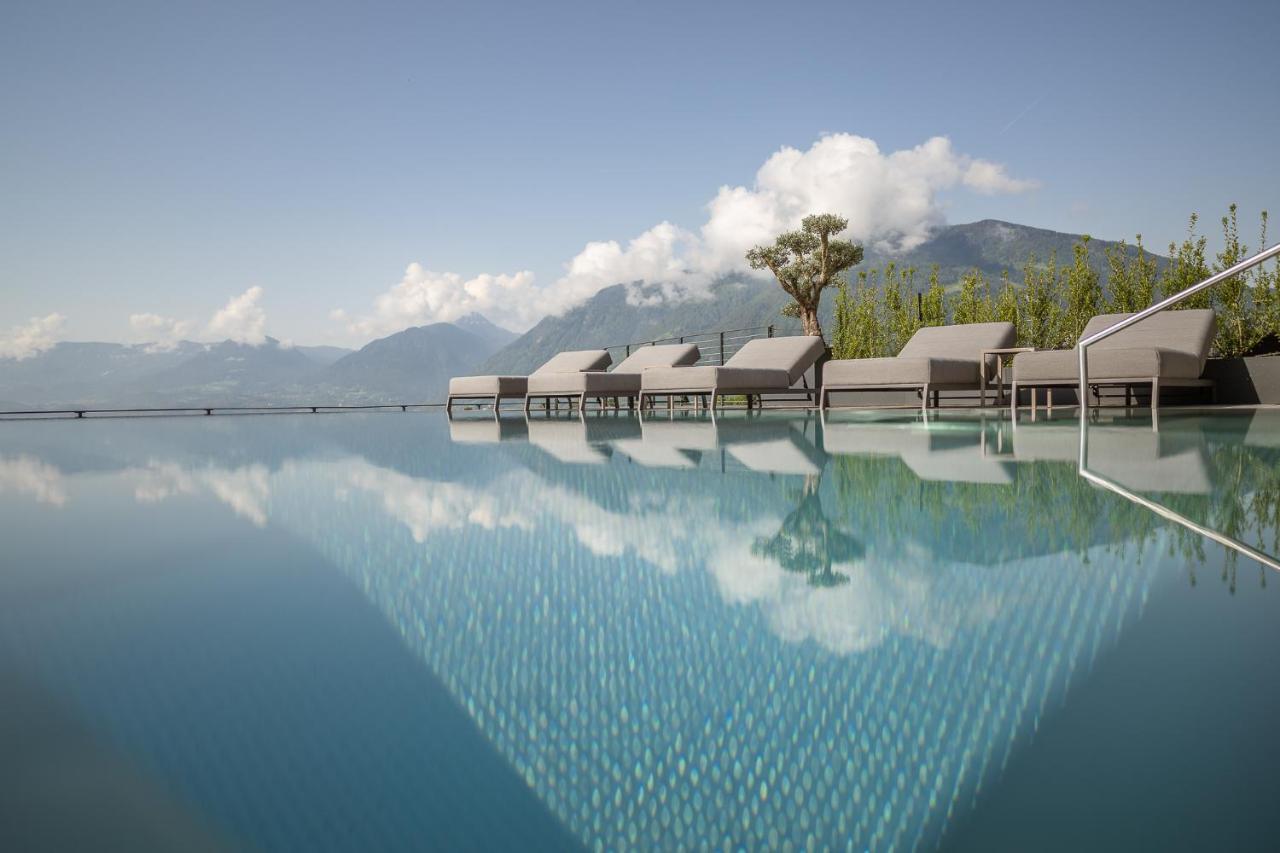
column 806, row 262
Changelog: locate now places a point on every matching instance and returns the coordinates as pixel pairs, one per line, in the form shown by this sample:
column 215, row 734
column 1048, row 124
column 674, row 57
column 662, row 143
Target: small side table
column 982, row 382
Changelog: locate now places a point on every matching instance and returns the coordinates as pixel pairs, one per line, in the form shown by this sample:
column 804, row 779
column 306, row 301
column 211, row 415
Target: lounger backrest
column 965, row 341
column 1188, row 331
column 577, row 361
column 668, row 355
column 794, row 354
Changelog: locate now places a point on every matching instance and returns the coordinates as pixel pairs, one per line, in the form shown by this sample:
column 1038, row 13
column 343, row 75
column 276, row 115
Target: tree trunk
column 809, row 319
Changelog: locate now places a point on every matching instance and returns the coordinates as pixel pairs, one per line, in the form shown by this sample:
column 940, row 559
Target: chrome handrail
column 1165, row 512
column 1085, row 343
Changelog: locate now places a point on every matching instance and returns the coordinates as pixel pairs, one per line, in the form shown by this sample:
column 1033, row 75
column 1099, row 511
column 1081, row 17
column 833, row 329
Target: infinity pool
column 394, row 631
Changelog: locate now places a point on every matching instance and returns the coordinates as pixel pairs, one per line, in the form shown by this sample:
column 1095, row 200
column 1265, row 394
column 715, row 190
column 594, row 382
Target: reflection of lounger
column 578, row 439
column 622, row 381
column 949, row 456
column 1264, row 429
column 654, row 455
column 486, row 430
column 766, row 446
column 780, row 456
column 1134, row 456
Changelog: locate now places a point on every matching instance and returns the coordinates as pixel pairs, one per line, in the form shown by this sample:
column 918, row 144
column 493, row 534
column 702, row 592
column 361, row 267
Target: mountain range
column 414, row 365
column 610, row 319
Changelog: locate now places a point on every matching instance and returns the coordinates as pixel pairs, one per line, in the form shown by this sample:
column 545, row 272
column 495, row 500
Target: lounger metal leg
column 1155, row 393
column 527, row 398
column 1013, row 399
column 937, row 397
column 714, row 394
column 496, row 399
column 924, row 399
column 1048, row 396
column 448, row 405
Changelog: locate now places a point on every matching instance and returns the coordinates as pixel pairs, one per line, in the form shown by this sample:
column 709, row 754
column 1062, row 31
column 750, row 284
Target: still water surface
column 396, row 631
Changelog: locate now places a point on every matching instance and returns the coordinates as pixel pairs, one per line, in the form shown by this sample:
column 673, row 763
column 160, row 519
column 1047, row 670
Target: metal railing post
column 722, row 348
column 770, row 330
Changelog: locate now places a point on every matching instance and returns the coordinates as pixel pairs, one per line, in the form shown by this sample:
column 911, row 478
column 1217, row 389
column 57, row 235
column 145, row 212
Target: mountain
column 479, row 325
column 72, row 372
column 415, row 365
column 609, row 319
column 324, row 356
column 230, row 373
column 412, row 365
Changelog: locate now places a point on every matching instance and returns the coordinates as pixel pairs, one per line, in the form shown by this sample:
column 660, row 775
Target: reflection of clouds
column 27, row 475
column 905, row 594
column 426, row 505
column 247, row 489
column 909, row 596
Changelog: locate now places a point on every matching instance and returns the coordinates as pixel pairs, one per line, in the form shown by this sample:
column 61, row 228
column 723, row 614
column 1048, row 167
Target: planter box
column 1246, row 380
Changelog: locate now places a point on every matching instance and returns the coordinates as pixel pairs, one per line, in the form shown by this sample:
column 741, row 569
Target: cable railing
column 715, row 346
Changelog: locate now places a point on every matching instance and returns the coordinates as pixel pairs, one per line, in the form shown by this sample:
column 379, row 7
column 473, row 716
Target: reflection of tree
column 808, row 542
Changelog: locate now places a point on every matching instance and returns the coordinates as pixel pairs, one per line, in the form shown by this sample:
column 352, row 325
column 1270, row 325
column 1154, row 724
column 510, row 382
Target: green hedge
column 880, row 310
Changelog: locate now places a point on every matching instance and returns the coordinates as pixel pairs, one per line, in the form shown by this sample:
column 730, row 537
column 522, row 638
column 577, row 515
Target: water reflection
column 750, row 628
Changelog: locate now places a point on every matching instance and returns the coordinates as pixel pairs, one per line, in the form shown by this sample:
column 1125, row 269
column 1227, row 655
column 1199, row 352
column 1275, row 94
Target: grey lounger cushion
column 1170, row 345
column 935, row 355
column 761, row 364
column 590, row 382
column 625, row 378
column 517, row 386
column 667, row 355
column 711, row 377
column 488, row 386
column 899, row 371
column 1111, row 363
column 574, row 361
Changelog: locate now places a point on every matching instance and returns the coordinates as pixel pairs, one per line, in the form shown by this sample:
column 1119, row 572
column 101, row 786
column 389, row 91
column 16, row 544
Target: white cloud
column 159, row 333
column 991, row 179
column 27, row 475
column 38, row 335
column 424, row 296
column 242, row 319
column 892, row 201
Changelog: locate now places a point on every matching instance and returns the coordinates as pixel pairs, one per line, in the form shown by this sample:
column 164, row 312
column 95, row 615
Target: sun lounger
column 937, row 358
column 622, row 381
column 1166, row 349
column 498, row 388
column 762, row 366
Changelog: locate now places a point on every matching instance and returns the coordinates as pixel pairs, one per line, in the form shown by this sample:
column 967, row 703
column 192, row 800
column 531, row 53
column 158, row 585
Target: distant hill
column 479, row 325
column 607, row 318
column 415, row 365
column 411, row 365
column 324, row 356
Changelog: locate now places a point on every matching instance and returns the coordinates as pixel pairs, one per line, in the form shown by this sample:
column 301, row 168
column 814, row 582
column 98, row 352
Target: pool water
column 767, row 630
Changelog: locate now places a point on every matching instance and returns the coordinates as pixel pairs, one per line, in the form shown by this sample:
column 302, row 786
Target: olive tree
column 806, row 262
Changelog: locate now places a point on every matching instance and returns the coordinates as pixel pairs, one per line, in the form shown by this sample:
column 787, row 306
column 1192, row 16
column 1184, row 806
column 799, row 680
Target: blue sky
column 165, row 158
